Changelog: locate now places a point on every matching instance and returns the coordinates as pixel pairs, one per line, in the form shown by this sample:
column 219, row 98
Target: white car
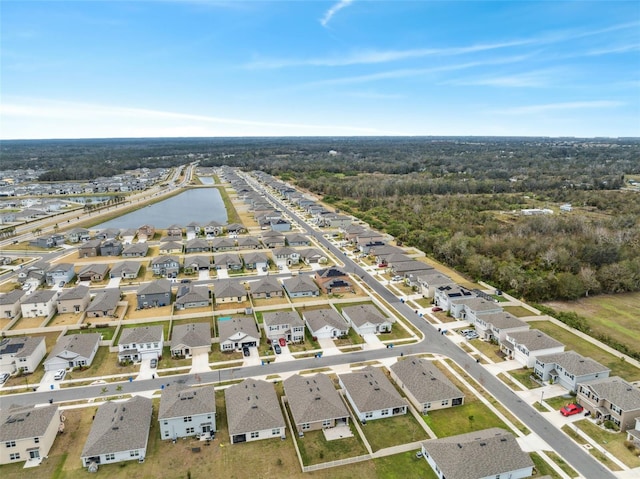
column 60, row 374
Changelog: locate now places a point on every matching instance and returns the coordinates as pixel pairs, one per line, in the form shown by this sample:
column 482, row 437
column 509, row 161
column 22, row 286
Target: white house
column 366, row 319
column 27, row 432
column 237, row 332
column 325, row 323
column 138, row 344
column 74, row 350
column 10, row 303
column 568, row 369
column 120, row 432
column 187, row 412
column 40, row 303
column 285, row 325
column 21, row 352
column 526, row 346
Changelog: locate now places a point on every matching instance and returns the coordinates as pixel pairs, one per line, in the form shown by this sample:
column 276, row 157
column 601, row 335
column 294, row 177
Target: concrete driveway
column 200, row 362
column 145, row 371
column 47, row 381
column 329, row 348
column 253, row 359
column 222, row 273
column 285, row 355
column 372, row 341
column 203, row 275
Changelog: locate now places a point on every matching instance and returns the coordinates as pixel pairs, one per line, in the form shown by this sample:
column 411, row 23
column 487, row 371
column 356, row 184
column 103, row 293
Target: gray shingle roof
column 228, row 289
column 79, row 292
column 242, row 324
column 617, row 391
column 97, row 268
column 313, row 399
column 425, row 381
column 574, row 363
column 177, row 402
column 477, row 305
column 363, row 313
column 39, row 296
column 281, row 317
column 143, row 334
column 435, row 278
column 318, row 318
column 75, row 345
column 18, row 422
column 256, row 257
column 299, row 284
column 267, row 284
column 201, row 261
column 252, row 405
column 125, row 267
column 502, row 320
column 20, row 347
column 192, row 294
column 370, row 390
column 159, row 286
column 105, row 300
column 534, row 340
column 120, row 426
column 193, row 335
column 136, row 248
column 11, row 297
column 489, row 452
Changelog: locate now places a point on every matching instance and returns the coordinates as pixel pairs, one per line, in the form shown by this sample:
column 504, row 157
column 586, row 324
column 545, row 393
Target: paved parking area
column 373, row 342
column 203, row 274
column 200, row 362
column 329, row 348
column 253, row 359
column 145, row 371
column 222, row 273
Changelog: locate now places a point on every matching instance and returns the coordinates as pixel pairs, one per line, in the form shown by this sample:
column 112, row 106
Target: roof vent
column 483, row 443
column 503, row 439
column 459, row 445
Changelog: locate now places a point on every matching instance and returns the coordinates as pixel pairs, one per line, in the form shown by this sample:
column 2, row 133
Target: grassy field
column 617, row 315
column 524, row 376
column 393, row 431
column 315, row 449
column 562, row 463
column 518, row 311
column 471, row 416
column 573, row 342
column 613, row 442
column 542, row 468
column 593, row 451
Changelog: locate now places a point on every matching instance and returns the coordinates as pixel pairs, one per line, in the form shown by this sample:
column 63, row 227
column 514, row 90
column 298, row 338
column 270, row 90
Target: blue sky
column 93, row 69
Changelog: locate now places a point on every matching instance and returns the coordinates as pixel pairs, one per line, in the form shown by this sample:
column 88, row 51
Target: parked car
column 277, row 348
column 186, row 281
column 283, row 342
column 571, row 409
column 4, row 377
column 396, row 278
column 246, row 351
column 61, row 284
column 436, row 309
column 154, row 363
column 60, row 374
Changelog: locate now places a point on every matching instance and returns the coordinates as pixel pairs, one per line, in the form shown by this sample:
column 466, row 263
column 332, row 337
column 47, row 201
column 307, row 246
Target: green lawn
column 562, row 463
column 524, row 376
column 471, row 416
column 403, row 466
column 593, row 451
column 613, row 442
column 107, row 333
column 492, row 351
column 541, row 466
column 393, row 431
column 615, row 315
column 617, row 366
column 315, row 449
column 518, row 311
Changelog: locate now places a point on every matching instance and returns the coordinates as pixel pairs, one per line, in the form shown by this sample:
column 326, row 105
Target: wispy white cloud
column 335, row 8
column 619, row 49
column 533, row 79
column 561, row 106
column 114, row 121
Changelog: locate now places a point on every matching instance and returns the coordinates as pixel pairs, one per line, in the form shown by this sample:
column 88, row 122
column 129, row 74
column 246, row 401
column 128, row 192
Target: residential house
column 223, row 244
column 312, row 256
column 390, row 259
column 333, row 280
column 174, row 232
column 297, row 239
column 146, row 233
column 325, row 323
column 366, row 319
column 213, row 228
column 286, row 256
column 189, row 339
column 197, row 263
column 280, row 225
column 425, row 385
column 166, row 266
column 496, row 326
column 187, row 412
column 47, row 241
column 257, row 261
column 410, row 269
column 568, row 369
column 104, row 304
column 125, row 270
column 61, row 272
column 78, row 235
column 253, row 411
column 285, row 325
column 192, row 230
column 170, row 247
column 445, row 294
column 610, row 399
column 111, row 247
column 128, row 236
column 73, row 300
column 633, row 435
column 196, row 245
column 33, row 273
column 135, row 250
column 248, row 242
column 142, row 343
column 108, row 233
column 39, row 303
column 430, row 280
column 119, row 432
column 230, row 261
column 154, row 294
column 489, row 453
column 300, row 286
column 526, row 346
column 21, row 353
column 27, row 432
column 469, row 308
column 237, row 332
column 273, row 239
column 190, row 296
column 265, row 288
column 314, row 402
column 235, row 228
column 10, row 303
column 93, row 272
column 371, row 395
column 74, row 350
column 89, row 249
column 229, row 291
